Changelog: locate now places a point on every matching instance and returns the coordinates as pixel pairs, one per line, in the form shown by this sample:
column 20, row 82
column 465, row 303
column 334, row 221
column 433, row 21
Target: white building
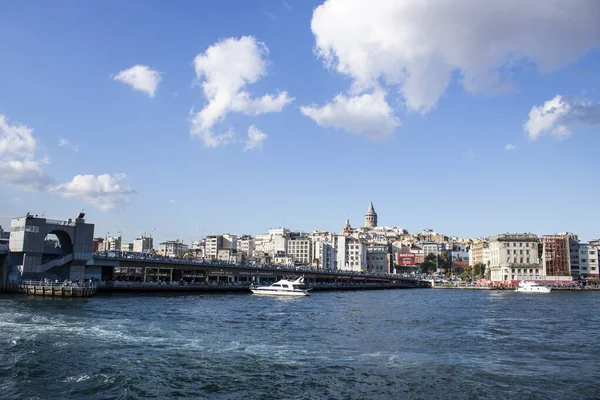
column 323, row 255
column 143, row 244
column 431, row 248
column 172, row 248
column 245, row 245
column 515, row 257
column 272, row 243
column 112, row 243
column 588, row 261
column 351, row 254
column 300, row 249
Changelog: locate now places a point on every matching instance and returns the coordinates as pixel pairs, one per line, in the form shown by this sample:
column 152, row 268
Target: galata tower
column 371, row 217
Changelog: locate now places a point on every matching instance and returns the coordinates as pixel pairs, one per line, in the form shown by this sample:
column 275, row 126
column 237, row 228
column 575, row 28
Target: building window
column 526, row 244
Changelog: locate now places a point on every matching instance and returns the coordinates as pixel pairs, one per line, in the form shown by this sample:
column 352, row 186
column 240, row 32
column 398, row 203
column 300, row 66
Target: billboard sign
column 406, row 258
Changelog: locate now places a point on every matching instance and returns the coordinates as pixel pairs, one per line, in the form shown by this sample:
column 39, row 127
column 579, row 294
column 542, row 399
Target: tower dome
column 371, row 217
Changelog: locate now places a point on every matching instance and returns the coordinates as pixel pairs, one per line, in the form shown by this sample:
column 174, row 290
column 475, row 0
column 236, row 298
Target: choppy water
column 420, row 344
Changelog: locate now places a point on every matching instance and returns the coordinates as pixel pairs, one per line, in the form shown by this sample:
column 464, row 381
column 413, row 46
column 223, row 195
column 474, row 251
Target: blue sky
column 428, row 153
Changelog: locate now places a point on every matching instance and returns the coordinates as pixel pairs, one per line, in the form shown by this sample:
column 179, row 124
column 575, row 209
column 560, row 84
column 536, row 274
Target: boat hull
column 536, row 290
column 277, row 293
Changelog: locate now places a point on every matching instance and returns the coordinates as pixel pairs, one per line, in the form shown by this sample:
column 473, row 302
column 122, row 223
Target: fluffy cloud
column 510, row 147
column 558, row 116
column 256, row 138
column 18, row 166
column 140, row 77
column 416, row 46
column 102, row 191
column 367, row 114
column 223, row 71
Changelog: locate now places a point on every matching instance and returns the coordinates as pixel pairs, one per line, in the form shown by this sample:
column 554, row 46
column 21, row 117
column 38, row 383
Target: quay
column 36, row 288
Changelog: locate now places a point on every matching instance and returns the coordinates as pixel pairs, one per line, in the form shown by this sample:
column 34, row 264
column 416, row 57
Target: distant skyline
column 467, row 118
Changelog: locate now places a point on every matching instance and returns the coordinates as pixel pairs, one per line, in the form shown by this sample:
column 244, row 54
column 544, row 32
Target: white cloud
column 24, row 174
column 510, row 147
column 65, row 143
column 368, row 114
column 102, row 191
column 560, row 115
column 140, row 77
column 417, row 46
column 18, row 166
column 172, row 201
column 223, row 71
column 16, row 140
column 256, row 138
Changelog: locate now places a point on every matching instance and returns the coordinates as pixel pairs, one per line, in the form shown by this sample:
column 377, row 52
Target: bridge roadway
column 144, row 271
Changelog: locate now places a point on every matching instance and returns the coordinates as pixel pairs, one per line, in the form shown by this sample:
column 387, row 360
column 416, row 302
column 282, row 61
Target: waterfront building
column 371, row 217
column 143, row 244
column 477, row 252
column 172, row 248
column 514, row 257
column 557, row 254
column 379, row 258
column 351, row 254
column 588, row 261
column 300, row 249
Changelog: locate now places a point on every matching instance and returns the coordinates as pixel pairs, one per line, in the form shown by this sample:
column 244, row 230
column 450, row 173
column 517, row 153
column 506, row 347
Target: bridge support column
column 76, row 272
column 3, row 269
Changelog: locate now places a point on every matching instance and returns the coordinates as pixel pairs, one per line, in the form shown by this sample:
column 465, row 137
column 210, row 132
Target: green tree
column 429, row 265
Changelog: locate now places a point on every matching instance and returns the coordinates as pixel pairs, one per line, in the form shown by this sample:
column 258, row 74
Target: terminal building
column 44, row 248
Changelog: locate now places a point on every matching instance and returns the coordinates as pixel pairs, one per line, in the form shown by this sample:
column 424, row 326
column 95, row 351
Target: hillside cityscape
column 383, row 249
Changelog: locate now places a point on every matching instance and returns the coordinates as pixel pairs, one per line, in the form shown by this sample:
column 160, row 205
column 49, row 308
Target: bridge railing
column 58, row 284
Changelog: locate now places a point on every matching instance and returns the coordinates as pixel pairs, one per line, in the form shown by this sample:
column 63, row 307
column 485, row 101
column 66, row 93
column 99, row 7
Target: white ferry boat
column 283, row 287
column 532, row 287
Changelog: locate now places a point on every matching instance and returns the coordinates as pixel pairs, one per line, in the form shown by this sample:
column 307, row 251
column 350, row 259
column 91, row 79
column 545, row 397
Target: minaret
column 371, row 217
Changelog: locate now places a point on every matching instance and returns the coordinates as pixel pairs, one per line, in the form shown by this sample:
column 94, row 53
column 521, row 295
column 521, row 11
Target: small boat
column 283, row 287
column 532, row 287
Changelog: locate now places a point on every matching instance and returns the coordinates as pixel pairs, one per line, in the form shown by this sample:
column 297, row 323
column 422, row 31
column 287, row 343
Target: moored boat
column 532, row 287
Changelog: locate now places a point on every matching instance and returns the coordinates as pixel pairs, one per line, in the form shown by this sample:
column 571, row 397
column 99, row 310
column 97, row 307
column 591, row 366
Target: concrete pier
column 54, row 289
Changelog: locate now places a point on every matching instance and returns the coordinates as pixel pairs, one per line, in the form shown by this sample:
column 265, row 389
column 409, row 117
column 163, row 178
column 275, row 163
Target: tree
column 478, row 270
column 444, row 261
column 429, row 264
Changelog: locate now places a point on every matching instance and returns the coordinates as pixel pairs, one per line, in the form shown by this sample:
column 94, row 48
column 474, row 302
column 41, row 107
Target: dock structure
column 37, row 288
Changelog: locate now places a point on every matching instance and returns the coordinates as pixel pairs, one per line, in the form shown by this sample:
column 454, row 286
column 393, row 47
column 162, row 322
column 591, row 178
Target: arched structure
column 30, row 258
